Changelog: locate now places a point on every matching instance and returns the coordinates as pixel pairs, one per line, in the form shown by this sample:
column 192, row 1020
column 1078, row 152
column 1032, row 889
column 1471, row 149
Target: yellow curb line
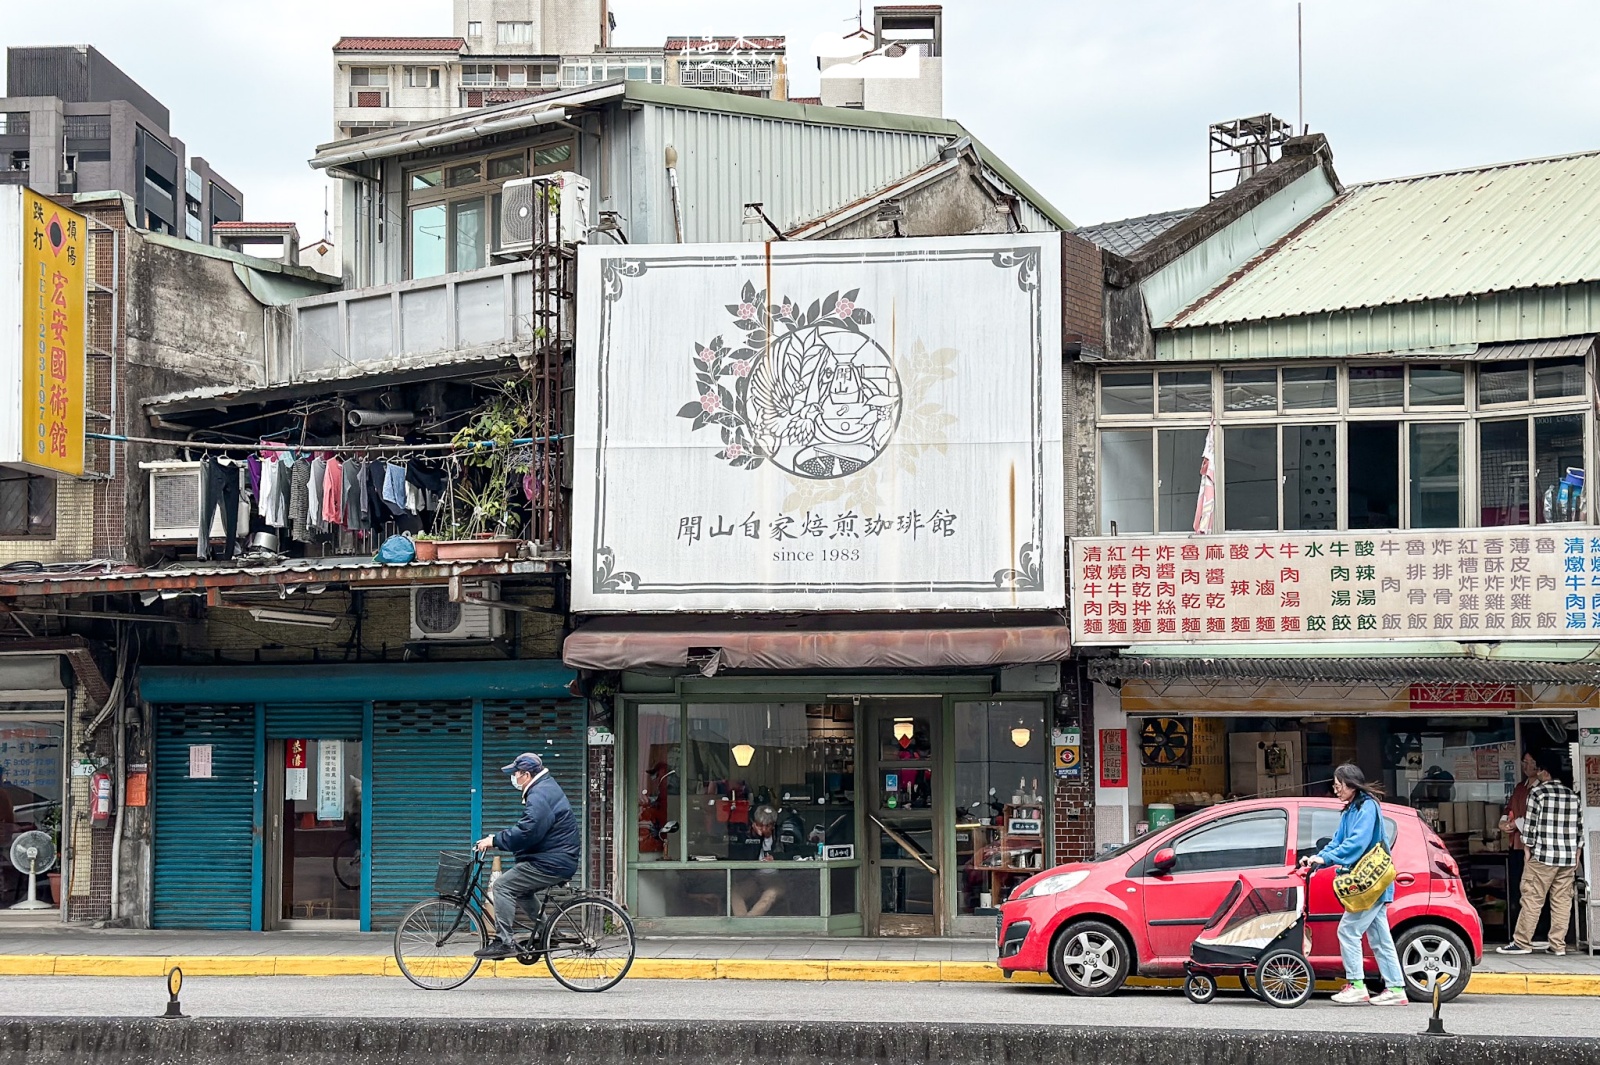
column 669, row 969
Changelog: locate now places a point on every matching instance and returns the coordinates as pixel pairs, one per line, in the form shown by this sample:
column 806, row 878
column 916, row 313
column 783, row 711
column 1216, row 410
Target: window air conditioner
column 564, row 196
column 175, row 502
column 435, row 617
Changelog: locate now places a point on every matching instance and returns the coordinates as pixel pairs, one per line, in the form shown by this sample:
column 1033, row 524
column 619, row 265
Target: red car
column 1138, row 908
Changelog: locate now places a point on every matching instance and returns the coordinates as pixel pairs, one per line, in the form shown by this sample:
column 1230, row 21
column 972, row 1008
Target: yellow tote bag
column 1360, row 888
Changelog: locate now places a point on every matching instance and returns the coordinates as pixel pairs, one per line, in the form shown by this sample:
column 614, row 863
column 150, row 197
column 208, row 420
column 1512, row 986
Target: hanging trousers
column 219, row 487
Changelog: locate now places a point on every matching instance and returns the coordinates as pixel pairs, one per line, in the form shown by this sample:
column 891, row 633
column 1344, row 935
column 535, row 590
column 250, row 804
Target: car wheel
column 1090, row 958
column 1429, row 951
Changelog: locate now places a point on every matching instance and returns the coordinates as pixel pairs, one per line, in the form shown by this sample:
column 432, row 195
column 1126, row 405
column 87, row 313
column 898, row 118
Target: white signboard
column 1449, row 584
column 200, row 761
column 330, row 780
column 830, row 425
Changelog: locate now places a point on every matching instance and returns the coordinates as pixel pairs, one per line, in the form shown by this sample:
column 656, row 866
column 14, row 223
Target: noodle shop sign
column 837, row 425
column 1450, row 584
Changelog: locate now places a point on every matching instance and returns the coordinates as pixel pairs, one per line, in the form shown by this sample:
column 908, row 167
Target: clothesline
column 271, row 445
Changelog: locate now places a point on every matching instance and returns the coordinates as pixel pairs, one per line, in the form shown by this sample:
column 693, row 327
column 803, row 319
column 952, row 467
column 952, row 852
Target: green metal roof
column 1513, row 226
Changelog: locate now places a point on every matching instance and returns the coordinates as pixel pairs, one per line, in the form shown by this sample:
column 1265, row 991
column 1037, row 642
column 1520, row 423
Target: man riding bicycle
column 546, row 843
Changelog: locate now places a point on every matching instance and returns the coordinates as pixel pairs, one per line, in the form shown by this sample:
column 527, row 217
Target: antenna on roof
column 1300, row 61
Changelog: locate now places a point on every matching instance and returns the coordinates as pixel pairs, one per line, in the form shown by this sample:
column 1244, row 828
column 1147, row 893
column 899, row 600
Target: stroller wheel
column 1199, row 988
column 1284, row 978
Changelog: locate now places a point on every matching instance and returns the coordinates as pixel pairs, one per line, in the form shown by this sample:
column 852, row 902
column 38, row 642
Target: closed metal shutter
column 313, row 722
column 555, row 730
column 422, row 783
column 204, row 829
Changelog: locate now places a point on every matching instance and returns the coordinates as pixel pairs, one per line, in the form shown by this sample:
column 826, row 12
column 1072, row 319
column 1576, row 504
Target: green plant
column 50, row 821
column 482, row 500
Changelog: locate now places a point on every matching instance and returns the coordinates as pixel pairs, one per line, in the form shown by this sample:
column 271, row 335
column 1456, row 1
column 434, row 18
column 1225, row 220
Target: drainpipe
column 672, row 191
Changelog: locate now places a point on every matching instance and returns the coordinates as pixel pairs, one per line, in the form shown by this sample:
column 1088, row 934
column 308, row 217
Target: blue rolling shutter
column 422, row 783
column 204, row 829
column 555, row 730
column 295, row 721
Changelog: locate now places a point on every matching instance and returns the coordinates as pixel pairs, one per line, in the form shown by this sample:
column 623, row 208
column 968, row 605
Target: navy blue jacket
column 547, row 836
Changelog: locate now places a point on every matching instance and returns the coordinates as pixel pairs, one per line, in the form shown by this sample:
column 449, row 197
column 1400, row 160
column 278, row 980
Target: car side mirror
column 1164, row 859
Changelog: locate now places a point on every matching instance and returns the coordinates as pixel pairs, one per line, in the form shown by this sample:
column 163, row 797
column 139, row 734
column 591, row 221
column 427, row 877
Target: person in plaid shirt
column 1550, row 830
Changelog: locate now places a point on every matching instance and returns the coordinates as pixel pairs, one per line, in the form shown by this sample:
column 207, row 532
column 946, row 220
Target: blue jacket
column 547, row 836
column 1356, row 832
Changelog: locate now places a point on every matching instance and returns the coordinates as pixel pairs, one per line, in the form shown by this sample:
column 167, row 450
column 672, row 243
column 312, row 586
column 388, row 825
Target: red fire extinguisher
column 100, row 798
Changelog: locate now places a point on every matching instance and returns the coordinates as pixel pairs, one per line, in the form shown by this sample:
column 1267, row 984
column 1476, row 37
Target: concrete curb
column 403, row 1041
column 971, row 972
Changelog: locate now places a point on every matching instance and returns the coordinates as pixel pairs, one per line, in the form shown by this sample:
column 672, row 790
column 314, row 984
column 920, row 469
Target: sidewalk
column 127, row 952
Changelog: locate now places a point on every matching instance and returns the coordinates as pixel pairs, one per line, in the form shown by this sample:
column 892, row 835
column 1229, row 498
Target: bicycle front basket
column 455, row 871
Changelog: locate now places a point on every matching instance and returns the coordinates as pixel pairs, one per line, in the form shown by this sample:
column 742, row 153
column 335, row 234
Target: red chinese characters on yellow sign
column 54, row 321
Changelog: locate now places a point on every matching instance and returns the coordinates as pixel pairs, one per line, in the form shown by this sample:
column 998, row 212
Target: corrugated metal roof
column 361, row 374
column 1345, row 670
column 1127, row 235
column 1511, row 226
column 1563, row 348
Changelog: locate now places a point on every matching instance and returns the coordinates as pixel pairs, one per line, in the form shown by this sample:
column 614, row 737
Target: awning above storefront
column 1382, row 671
column 711, row 644
column 331, row 682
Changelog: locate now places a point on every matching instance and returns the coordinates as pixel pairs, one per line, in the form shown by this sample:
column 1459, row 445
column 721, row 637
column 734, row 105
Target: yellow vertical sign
column 54, row 321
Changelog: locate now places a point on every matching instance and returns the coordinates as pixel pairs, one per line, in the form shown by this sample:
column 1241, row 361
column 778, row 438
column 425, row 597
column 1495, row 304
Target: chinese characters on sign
column 54, row 320
column 847, row 526
column 1113, row 758
column 200, row 761
column 330, row 780
column 295, row 785
column 1435, row 584
column 30, row 763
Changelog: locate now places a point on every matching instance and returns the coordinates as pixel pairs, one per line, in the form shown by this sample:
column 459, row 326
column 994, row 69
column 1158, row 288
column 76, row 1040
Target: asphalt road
column 745, row 1000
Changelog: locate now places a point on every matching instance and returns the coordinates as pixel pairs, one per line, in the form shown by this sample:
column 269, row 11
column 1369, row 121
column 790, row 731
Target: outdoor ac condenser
column 435, row 617
column 563, row 196
column 175, row 502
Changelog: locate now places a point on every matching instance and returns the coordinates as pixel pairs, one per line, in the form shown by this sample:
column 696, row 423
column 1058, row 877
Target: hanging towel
column 265, row 498
column 350, row 504
column 253, row 464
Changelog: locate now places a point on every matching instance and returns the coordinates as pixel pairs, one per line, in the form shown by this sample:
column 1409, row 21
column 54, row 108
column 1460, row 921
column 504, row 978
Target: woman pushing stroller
column 1360, row 829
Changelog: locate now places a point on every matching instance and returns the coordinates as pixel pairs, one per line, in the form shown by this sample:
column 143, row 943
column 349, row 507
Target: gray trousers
column 519, row 884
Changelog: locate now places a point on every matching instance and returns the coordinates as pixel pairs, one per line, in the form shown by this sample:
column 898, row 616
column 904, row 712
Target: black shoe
column 496, row 951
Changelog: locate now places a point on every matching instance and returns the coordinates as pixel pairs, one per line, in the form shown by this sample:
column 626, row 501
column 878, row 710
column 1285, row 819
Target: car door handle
column 1405, row 880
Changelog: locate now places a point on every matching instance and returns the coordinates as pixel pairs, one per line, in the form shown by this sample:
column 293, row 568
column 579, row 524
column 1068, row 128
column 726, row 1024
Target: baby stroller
column 1258, row 935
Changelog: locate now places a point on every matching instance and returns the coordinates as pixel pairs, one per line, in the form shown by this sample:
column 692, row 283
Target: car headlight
column 1053, row 885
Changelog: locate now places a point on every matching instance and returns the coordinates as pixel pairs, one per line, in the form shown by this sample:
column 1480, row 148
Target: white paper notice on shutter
column 830, row 425
column 1436, row 584
column 200, row 761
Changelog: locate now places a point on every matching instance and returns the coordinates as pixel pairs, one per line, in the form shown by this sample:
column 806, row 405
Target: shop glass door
column 904, row 886
column 31, row 771
column 314, row 836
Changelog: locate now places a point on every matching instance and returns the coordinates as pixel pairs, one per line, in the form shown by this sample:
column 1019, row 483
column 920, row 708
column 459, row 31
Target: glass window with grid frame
column 447, row 203
column 1440, row 444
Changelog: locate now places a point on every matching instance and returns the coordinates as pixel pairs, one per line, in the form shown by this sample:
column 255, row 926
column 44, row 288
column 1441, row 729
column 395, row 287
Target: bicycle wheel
column 435, row 941
column 588, row 944
column 1285, row 979
column 347, row 863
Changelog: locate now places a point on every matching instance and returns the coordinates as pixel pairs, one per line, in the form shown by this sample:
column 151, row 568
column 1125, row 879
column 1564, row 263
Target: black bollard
column 1435, row 1023
column 174, row 985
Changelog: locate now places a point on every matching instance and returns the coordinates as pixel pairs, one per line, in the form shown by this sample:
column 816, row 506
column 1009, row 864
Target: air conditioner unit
column 564, row 199
column 175, row 502
column 435, row 617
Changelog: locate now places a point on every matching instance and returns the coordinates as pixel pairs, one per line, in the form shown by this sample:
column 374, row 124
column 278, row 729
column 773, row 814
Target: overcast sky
column 1101, row 105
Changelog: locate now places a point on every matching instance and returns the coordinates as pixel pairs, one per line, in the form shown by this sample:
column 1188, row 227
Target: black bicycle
column 585, row 939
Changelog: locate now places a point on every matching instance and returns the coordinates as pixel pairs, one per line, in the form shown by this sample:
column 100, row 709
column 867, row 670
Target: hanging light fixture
column 1021, row 734
column 903, row 731
column 742, row 753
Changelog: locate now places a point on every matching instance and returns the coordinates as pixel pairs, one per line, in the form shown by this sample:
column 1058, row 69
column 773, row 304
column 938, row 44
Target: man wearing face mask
column 546, row 844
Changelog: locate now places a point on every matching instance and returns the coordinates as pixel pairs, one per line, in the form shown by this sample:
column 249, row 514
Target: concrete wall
column 952, row 206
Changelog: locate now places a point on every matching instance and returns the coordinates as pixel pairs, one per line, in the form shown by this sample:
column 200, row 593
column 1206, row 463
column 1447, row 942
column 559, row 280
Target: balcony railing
column 478, row 312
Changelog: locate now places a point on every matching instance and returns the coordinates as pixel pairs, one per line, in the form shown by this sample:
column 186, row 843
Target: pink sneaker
column 1390, row 997
column 1352, row 995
